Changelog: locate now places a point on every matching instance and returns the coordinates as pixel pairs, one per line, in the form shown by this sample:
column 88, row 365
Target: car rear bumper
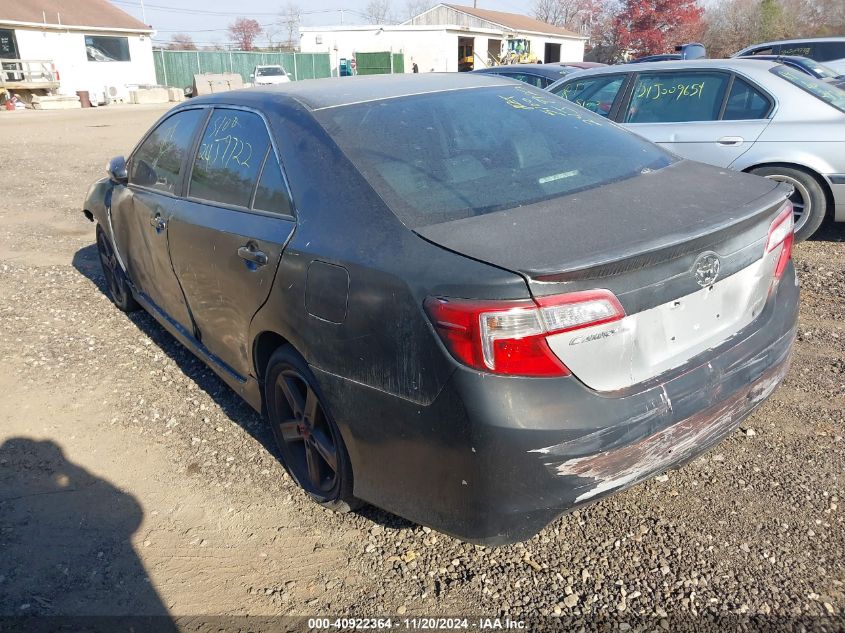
column 494, row 459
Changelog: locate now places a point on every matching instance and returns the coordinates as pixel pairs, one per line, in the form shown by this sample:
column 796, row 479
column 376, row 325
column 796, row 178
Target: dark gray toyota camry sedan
column 464, row 300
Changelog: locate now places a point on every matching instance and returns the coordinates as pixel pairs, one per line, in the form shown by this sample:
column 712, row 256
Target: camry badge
column 706, row 269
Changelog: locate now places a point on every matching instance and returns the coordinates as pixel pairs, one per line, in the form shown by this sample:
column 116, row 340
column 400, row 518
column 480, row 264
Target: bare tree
column 575, row 15
column 290, row 19
column 414, row 7
column 243, row 32
column 182, row 42
column 378, row 12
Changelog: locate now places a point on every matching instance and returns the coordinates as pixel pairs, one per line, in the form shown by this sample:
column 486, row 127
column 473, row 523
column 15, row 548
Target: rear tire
column 809, row 198
column 309, row 443
column 117, row 283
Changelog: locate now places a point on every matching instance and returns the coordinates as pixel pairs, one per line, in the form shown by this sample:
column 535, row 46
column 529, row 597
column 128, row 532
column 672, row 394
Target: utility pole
column 143, row 13
column 341, row 16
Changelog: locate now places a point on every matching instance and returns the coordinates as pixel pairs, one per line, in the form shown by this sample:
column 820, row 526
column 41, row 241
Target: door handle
column 158, row 222
column 251, row 254
column 730, row 140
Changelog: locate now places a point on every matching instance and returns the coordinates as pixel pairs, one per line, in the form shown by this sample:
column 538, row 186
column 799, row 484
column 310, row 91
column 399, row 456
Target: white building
column 91, row 44
column 447, row 38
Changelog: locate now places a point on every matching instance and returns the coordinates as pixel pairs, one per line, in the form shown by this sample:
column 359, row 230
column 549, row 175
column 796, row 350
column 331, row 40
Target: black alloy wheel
column 116, row 280
column 309, row 442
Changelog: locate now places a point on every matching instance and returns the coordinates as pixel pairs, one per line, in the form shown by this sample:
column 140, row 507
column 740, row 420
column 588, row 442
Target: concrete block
column 55, row 102
column 149, row 95
column 175, row 94
column 216, row 82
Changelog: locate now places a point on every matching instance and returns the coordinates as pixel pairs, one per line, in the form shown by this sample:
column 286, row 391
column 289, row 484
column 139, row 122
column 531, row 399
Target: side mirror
column 252, row 75
column 117, row 170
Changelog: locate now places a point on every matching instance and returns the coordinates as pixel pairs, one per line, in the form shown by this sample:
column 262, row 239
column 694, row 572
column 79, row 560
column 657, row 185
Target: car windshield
column 831, row 95
column 448, row 155
column 272, row 71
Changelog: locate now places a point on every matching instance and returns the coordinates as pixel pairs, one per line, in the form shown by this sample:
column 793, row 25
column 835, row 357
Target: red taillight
column 782, row 232
column 509, row 337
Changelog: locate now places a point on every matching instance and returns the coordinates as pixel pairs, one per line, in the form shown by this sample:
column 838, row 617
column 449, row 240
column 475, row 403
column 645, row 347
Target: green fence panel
column 379, row 63
column 398, row 63
column 177, row 68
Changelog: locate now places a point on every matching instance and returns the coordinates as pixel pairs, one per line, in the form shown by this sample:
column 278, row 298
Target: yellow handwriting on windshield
column 528, row 100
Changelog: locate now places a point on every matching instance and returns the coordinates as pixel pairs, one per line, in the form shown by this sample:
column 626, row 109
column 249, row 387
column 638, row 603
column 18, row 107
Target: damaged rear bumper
column 545, row 447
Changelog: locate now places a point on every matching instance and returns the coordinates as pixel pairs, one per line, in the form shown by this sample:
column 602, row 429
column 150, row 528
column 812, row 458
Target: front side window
column 746, row 102
column 675, row 97
column 107, row 49
column 157, row 163
column 229, row 157
column 433, row 158
column 597, row 94
column 767, row 50
column 831, row 95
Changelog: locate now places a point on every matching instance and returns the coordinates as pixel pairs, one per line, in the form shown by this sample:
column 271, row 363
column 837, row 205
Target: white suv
column 269, row 75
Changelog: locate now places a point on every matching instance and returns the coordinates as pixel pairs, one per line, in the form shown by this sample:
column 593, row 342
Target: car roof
column 317, row 94
column 747, row 66
column 553, row 71
column 800, row 40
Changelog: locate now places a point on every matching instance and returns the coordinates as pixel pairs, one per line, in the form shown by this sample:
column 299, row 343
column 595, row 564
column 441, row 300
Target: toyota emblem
column 706, row 269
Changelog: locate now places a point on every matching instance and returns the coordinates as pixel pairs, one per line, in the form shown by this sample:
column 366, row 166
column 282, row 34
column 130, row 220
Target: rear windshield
column 831, row 95
column 448, row 155
column 270, row 72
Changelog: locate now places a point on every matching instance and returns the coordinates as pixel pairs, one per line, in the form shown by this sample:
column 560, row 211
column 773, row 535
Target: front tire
column 808, row 199
column 309, row 442
column 116, row 280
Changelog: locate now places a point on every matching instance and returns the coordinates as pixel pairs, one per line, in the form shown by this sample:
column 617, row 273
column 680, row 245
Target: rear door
column 708, row 116
column 227, row 235
column 142, row 210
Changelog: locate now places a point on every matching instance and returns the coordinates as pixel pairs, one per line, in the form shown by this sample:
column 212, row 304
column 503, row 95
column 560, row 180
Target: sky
column 206, row 20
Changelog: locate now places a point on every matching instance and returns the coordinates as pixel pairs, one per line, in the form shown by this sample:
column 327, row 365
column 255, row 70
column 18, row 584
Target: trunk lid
column 643, row 239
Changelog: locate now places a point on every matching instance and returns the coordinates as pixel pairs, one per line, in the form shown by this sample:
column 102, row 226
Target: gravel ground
column 753, row 528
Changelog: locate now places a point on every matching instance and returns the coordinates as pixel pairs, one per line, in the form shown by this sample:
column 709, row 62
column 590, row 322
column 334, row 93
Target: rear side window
column 827, row 51
column 442, row 156
column 768, row 50
column 533, row 80
column 595, row 93
column 229, row 158
column 272, row 194
column 157, row 163
column 831, row 95
column 674, row 97
column 746, row 102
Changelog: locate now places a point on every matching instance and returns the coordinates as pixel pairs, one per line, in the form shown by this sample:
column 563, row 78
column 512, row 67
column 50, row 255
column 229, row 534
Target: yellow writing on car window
column 528, row 100
column 224, row 149
column 670, row 91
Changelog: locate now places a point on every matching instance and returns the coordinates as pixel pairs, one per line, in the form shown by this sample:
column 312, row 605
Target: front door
column 227, row 237
column 686, row 112
column 142, row 210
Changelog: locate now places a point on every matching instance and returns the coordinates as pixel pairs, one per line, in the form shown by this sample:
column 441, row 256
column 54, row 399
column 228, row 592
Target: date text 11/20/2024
column 417, row 623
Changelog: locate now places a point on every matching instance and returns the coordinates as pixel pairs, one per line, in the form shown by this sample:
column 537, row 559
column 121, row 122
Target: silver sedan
column 749, row 115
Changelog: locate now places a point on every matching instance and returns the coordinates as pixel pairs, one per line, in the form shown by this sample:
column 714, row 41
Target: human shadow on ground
column 65, row 537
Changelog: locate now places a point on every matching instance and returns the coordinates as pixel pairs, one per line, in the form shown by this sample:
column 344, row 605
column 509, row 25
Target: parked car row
column 778, row 117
